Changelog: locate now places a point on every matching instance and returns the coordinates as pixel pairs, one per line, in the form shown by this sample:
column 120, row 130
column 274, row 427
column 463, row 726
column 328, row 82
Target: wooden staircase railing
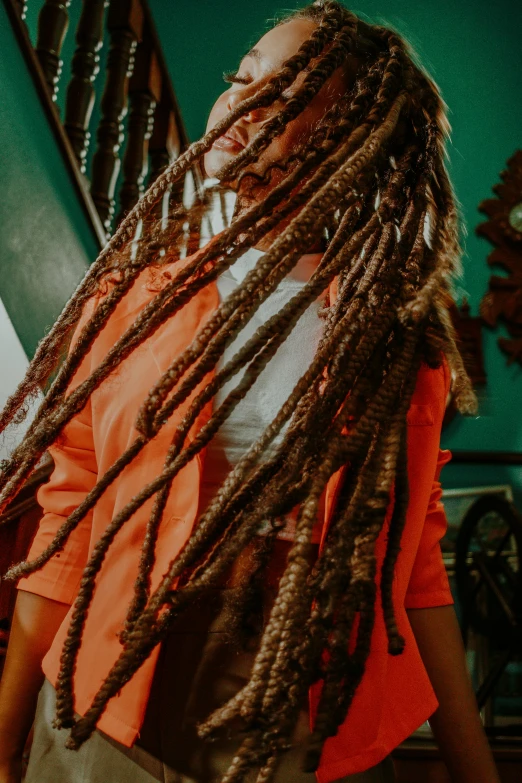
column 139, row 129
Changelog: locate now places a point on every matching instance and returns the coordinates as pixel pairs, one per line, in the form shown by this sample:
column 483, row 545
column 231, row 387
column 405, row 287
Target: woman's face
column 256, row 68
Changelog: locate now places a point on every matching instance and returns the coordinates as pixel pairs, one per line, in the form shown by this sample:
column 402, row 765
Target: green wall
column 46, row 241
column 473, row 51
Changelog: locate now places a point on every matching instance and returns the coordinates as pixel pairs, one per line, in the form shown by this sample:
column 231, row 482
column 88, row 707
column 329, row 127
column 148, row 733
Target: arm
column 45, row 596
column 35, row 622
column 456, row 723
column 74, row 475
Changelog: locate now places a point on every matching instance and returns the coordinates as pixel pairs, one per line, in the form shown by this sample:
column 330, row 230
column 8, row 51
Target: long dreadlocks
column 371, row 178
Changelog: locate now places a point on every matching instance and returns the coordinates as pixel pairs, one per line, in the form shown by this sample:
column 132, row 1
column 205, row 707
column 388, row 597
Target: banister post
column 165, row 147
column 125, row 25
column 144, row 94
column 85, row 67
column 53, row 21
column 22, row 8
column 165, row 142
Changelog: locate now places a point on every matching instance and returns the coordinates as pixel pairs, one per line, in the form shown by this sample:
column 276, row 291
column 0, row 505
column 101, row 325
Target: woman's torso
column 394, row 694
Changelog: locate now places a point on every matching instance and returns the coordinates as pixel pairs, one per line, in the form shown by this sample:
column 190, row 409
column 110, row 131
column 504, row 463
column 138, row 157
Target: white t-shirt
column 259, row 407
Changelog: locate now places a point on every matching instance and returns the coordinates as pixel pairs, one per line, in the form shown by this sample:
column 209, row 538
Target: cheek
column 212, row 160
column 300, row 129
column 296, row 132
column 217, row 112
column 328, row 96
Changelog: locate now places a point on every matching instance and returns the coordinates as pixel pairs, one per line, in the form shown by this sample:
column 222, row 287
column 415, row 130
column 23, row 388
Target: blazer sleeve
column 74, row 475
column 429, row 585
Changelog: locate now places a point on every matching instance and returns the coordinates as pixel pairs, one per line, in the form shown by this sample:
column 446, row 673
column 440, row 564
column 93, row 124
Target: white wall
column 14, row 363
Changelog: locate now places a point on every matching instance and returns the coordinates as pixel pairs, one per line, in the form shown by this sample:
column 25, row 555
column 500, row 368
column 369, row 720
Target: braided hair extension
column 145, row 631
column 371, row 177
column 50, row 347
column 148, row 257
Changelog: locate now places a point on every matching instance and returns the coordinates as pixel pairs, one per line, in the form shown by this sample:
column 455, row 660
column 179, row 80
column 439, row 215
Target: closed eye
column 232, row 77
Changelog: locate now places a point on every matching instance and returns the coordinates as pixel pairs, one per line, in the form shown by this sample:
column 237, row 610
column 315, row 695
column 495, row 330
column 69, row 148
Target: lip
column 230, row 141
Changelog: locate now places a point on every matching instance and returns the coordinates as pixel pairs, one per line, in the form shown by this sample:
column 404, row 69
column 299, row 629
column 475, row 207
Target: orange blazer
column 395, row 695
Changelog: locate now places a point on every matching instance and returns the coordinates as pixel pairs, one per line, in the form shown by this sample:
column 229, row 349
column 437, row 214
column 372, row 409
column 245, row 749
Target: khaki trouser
column 199, row 668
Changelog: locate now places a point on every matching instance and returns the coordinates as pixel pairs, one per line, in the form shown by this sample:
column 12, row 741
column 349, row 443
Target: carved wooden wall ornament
column 503, row 301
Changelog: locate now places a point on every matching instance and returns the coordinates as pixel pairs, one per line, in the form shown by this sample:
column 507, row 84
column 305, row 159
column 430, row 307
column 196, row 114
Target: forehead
column 282, row 42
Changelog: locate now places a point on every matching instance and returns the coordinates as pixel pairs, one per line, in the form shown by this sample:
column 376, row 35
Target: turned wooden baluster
column 144, row 93
column 53, row 21
column 165, row 142
column 22, row 8
column 125, row 24
column 164, row 147
column 194, row 218
column 85, row 66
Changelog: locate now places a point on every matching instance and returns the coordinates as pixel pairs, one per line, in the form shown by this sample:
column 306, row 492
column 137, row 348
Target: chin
column 214, row 160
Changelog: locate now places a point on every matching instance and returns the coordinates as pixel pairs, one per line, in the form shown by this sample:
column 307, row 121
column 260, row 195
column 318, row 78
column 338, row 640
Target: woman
column 178, row 600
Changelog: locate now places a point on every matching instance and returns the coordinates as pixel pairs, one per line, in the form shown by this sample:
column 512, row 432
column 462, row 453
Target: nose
column 236, row 96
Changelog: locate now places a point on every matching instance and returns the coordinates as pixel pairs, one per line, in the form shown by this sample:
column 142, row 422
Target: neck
column 245, row 201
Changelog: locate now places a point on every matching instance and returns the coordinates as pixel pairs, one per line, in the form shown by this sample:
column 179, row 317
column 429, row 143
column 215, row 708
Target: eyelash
column 232, row 77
